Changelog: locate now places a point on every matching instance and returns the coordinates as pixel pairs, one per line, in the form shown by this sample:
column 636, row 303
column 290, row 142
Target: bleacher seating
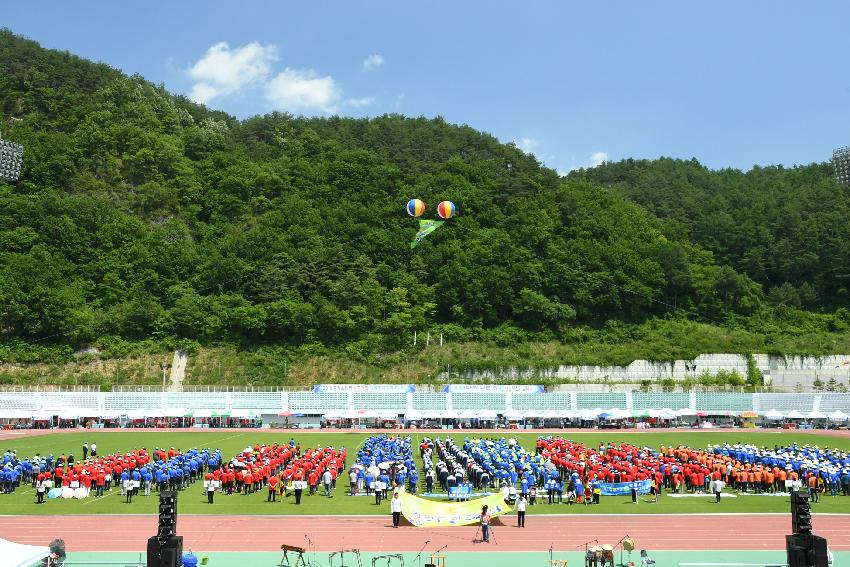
column 605, row 400
column 832, row 402
column 380, row 400
column 784, row 403
column 256, row 400
column 318, row 403
column 69, row 400
column 310, row 402
column 121, row 401
column 547, row 401
column 724, row 401
column 478, row 401
column 11, row 402
column 658, row 400
column 424, row 401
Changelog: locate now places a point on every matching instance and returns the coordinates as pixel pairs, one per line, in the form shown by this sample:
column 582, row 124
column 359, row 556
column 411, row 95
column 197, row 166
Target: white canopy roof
column 774, row 415
column 838, row 415
column 794, row 414
column 816, row 415
column 202, row 413
column 243, row 413
column 21, row 555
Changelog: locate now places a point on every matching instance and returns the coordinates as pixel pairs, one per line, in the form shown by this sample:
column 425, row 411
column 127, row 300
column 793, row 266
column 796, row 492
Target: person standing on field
column 520, row 510
column 395, row 507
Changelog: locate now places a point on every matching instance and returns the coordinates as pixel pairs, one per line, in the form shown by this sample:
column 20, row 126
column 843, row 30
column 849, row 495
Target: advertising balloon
column 446, row 209
column 415, row 207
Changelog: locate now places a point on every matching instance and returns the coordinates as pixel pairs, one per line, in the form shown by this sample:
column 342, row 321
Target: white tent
column 617, row 413
column 21, row 555
column 413, row 414
column 667, row 413
column 589, row 414
column 816, row 415
column 201, row 413
column 794, row 414
column 838, row 415
column 773, row 415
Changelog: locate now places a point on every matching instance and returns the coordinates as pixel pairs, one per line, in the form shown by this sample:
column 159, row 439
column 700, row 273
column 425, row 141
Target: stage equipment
column 626, row 543
column 165, row 549
column 299, row 560
column 841, row 164
column 419, row 555
column 397, row 556
column 803, row 548
column 341, row 553
column 11, row 160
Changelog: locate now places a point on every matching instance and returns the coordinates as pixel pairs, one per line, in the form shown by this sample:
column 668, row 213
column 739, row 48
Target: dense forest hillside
column 785, row 228
column 142, row 216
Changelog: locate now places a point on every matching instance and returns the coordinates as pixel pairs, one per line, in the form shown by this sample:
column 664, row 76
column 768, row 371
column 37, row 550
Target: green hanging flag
column 426, row 227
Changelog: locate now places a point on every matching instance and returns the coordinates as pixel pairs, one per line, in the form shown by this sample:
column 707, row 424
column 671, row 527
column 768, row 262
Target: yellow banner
column 423, row 512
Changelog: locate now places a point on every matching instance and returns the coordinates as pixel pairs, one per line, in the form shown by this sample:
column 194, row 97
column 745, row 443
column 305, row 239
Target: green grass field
column 193, row 501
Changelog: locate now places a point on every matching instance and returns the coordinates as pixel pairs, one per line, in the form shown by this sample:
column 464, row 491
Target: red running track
column 371, row 533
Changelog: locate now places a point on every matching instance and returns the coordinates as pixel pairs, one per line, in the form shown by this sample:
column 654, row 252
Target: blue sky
column 732, row 83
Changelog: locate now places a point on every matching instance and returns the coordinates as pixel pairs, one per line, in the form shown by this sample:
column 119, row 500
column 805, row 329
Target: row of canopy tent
column 775, row 415
column 72, row 414
column 585, row 414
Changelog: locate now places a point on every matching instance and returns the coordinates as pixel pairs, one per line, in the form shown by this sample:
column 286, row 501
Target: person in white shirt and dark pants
column 520, row 510
column 395, row 506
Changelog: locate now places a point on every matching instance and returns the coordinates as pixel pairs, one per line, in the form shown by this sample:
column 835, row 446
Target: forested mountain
column 785, row 228
column 141, row 214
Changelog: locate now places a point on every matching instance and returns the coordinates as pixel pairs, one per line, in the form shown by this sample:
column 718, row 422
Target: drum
column 608, row 555
column 629, row 544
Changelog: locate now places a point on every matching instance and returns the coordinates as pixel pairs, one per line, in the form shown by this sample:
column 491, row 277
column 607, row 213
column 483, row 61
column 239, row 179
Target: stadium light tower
column 841, row 164
column 11, row 159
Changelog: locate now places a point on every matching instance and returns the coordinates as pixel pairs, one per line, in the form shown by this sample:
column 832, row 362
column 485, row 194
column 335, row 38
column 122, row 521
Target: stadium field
column 230, row 442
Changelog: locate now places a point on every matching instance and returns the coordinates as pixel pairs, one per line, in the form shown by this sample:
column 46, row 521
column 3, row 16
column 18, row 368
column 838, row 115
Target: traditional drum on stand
column 607, row 555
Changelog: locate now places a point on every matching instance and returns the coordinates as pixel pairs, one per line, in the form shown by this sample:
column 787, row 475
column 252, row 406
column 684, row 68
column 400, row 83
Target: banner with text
column 496, row 388
column 364, row 388
column 425, row 513
column 624, row 488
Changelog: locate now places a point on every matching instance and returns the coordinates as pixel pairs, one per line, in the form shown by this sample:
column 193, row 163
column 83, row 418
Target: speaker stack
column 165, row 549
column 803, row 548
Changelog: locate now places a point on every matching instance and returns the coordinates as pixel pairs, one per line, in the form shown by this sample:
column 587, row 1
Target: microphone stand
column 419, row 555
column 620, row 543
column 309, row 545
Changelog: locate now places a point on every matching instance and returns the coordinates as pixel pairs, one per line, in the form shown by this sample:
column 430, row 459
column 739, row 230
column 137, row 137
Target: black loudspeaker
column 806, row 550
column 167, row 514
column 165, row 552
column 801, row 514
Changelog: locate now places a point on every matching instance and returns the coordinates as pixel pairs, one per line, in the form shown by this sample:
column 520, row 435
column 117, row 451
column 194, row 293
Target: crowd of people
column 564, row 471
column 279, row 468
column 557, row 470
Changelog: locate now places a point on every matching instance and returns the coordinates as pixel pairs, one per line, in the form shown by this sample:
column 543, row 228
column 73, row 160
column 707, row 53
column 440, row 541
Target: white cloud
column 373, row 62
column 399, row 100
column 359, row 102
column 598, row 158
column 527, row 145
column 223, row 71
column 296, row 90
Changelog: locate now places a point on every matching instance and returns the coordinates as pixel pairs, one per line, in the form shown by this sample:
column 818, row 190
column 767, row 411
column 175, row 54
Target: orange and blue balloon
column 416, row 207
column 446, row 209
